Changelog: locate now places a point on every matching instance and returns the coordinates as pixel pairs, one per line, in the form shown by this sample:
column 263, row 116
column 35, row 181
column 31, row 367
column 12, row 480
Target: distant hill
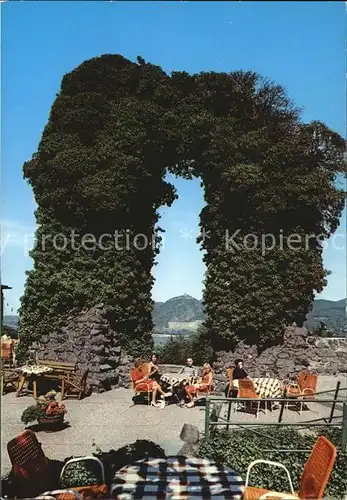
column 187, row 309
column 11, row 320
column 331, row 313
column 181, row 309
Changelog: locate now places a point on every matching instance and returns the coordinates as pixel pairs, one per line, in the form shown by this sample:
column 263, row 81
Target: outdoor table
column 176, row 477
column 177, row 379
column 265, row 387
column 31, row 372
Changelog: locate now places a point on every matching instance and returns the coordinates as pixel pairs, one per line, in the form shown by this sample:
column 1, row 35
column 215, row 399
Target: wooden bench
column 71, row 383
column 60, row 371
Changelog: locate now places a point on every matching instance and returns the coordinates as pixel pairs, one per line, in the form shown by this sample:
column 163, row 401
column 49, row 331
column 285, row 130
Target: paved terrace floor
column 110, row 420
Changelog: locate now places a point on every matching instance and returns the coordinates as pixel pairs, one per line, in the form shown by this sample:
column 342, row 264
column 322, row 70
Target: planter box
column 51, row 423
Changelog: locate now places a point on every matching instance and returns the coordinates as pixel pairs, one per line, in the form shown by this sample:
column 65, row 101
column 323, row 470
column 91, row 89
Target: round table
column 176, row 478
column 30, row 372
column 35, row 369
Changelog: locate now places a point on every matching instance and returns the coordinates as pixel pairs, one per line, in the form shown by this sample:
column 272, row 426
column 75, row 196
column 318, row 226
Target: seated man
column 143, row 383
column 191, row 372
column 203, row 385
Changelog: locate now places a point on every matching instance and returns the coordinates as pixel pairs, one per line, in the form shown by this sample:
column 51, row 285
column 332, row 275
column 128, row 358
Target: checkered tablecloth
column 176, row 379
column 268, row 387
column 176, row 478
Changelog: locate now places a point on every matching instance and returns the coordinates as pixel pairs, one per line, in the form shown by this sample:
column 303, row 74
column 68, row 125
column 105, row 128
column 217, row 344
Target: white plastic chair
column 283, row 496
column 51, row 495
column 274, row 464
column 84, row 459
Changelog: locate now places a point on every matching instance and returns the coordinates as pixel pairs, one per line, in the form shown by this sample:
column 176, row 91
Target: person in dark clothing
column 238, row 374
column 155, row 370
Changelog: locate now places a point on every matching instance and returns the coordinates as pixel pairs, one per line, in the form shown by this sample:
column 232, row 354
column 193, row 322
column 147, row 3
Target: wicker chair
column 204, row 392
column 7, row 352
column 29, row 464
column 247, row 390
column 230, row 375
column 146, row 368
column 314, row 479
column 305, row 388
column 138, row 392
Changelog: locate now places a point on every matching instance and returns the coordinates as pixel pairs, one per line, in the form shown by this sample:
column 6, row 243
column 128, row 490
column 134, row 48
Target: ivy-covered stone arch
column 116, row 127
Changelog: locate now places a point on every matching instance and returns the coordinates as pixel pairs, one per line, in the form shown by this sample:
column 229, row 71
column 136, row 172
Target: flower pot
column 51, row 422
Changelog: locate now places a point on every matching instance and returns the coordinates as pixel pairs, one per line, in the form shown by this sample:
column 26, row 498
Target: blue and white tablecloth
column 176, row 478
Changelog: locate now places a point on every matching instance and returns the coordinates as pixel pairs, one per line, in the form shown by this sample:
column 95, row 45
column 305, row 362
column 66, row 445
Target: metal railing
column 214, row 404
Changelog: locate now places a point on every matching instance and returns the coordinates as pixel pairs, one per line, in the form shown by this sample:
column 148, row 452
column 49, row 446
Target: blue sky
column 300, row 45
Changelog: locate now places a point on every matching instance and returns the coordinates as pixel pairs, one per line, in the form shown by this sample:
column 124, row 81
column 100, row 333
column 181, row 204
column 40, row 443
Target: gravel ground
column 110, row 420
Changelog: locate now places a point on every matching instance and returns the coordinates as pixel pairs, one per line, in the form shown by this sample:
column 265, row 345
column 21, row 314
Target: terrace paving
column 110, row 420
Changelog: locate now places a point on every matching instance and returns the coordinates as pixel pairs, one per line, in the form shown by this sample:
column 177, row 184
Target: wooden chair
column 304, row 389
column 247, row 390
column 314, row 479
column 9, row 378
column 230, row 375
column 29, row 464
column 138, row 392
column 74, row 385
column 206, row 391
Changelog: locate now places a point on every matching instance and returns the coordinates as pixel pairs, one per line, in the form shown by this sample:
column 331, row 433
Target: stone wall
column 88, row 340
column 299, row 351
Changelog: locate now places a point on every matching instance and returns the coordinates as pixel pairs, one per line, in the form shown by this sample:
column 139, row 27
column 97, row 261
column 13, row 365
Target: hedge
column 239, row 448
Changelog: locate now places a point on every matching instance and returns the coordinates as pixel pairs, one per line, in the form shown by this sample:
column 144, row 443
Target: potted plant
column 47, row 411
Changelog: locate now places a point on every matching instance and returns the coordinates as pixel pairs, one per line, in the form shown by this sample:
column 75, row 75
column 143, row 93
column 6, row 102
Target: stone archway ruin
column 114, row 129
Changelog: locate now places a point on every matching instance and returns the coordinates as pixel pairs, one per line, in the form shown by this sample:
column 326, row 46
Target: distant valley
column 184, row 314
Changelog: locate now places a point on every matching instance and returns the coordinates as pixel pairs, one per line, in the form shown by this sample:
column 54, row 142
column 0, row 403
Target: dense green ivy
column 116, row 127
column 237, row 449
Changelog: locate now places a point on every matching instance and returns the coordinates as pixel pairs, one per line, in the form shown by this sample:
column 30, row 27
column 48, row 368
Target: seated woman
column 155, row 373
column 202, row 386
column 154, row 368
column 143, row 383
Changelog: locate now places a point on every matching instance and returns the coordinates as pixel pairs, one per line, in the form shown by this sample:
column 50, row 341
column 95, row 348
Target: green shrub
column 176, row 350
column 32, row 413
column 80, row 474
column 239, row 448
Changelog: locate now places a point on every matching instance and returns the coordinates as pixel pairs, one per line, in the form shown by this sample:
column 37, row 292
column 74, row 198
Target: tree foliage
column 114, row 130
column 179, row 347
